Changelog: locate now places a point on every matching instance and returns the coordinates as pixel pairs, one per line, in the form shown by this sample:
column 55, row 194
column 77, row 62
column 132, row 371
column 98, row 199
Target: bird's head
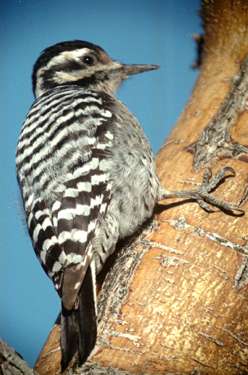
column 83, row 64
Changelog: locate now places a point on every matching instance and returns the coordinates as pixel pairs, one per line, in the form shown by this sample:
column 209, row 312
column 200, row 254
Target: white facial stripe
column 75, row 75
column 76, row 54
column 69, row 77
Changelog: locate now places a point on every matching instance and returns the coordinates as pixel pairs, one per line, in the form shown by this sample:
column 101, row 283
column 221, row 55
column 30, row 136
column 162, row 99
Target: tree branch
column 11, row 362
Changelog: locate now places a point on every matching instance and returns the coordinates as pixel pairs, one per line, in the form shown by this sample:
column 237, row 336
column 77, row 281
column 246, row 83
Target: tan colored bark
column 179, row 303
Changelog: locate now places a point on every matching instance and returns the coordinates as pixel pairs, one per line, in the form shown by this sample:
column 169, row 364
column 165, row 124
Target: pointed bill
column 138, row 68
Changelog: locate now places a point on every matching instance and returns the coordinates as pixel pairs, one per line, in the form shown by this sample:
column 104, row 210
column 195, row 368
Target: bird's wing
column 62, row 232
column 84, row 201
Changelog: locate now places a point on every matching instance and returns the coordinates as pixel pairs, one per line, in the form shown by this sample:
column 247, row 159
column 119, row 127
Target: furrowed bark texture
column 11, row 362
column 176, row 299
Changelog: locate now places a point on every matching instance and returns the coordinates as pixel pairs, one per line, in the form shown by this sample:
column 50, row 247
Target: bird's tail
column 78, row 326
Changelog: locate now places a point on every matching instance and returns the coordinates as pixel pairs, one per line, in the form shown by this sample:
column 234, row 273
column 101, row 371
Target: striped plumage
column 86, row 174
column 61, row 156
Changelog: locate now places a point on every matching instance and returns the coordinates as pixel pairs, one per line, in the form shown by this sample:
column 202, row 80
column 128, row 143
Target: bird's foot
column 203, row 196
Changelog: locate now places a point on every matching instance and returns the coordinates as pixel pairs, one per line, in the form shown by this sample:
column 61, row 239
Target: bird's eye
column 89, row 60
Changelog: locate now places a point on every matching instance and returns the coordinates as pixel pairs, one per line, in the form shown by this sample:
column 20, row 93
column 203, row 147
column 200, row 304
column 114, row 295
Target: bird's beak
column 138, row 68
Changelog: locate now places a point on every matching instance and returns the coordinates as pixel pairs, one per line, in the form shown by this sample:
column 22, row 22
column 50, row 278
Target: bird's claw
column 203, row 194
column 209, row 184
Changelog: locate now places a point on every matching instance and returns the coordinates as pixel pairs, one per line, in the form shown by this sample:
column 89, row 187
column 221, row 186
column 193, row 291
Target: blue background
column 142, row 31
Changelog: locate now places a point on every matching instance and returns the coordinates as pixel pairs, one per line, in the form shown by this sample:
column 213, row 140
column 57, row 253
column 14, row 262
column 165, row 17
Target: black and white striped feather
column 61, row 161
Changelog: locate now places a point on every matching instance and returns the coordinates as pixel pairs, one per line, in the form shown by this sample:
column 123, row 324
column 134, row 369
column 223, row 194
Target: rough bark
column 11, row 362
column 175, row 300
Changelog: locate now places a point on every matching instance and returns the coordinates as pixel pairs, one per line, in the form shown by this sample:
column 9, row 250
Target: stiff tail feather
column 78, row 326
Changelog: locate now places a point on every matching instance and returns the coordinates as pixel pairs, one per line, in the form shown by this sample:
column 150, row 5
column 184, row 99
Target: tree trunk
column 175, row 300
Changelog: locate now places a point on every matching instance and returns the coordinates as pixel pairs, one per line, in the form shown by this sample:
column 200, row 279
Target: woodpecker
column 87, row 178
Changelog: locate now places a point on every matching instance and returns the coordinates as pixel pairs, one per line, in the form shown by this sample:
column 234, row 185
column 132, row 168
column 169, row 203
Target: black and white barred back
column 87, row 178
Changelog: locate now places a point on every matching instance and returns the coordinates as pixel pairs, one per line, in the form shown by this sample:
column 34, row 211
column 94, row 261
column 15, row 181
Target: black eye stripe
column 68, row 66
